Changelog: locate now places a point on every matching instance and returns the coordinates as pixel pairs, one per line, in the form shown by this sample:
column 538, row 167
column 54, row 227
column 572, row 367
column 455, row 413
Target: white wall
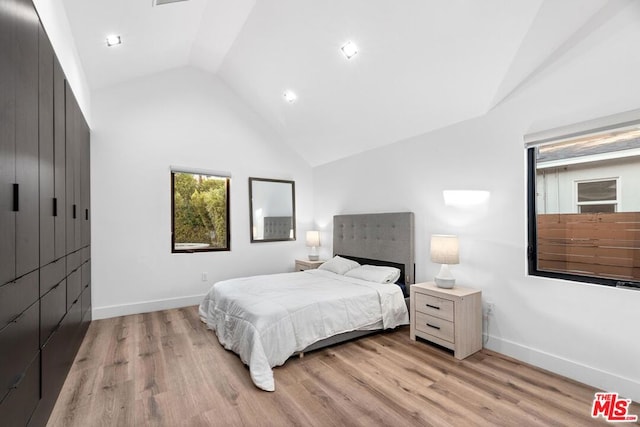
column 586, row 332
column 187, row 118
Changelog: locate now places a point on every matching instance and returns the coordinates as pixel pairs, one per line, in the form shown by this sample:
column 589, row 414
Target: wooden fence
column 594, row 244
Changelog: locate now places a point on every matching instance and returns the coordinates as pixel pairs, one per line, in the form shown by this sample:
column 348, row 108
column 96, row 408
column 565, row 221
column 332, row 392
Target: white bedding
column 266, row 319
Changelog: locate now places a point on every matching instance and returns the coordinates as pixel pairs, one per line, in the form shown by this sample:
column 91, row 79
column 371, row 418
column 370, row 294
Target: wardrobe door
column 26, row 125
column 71, row 166
column 77, row 175
column 46, row 165
column 7, row 141
column 85, row 185
column 59, row 156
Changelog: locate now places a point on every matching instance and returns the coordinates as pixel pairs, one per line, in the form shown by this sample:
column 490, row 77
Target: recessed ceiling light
column 113, row 40
column 289, row 96
column 349, row 49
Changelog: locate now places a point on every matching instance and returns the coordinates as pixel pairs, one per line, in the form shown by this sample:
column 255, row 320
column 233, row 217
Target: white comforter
column 266, row 319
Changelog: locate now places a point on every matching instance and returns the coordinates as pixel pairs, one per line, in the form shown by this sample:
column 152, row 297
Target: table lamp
column 313, row 241
column 444, row 250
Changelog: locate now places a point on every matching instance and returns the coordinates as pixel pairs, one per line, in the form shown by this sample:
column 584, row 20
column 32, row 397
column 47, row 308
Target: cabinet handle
column 74, row 211
column 55, row 206
column 86, row 214
column 17, row 382
column 56, row 328
column 16, row 197
column 433, row 326
column 18, row 317
column 432, row 306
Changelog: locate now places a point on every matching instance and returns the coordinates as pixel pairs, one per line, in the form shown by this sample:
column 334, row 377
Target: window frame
column 615, row 202
column 609, row 124
column 220, row 175
column 532, row 234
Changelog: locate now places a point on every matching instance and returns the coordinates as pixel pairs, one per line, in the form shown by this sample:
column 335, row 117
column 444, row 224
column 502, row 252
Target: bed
column 266, row 319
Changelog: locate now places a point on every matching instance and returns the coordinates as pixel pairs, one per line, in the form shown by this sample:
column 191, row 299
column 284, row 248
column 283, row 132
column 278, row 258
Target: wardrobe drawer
column 85, row 272
column 16, row 296
column 74, row 287
column 85, row 300
column 73, row 328
column 53, row 307
column 19, row 343
column 86, row 253
column 19, row 404
column 74, row 260
column 435, row 326
column 52, row 274
column 56, row 361
column 434, row 306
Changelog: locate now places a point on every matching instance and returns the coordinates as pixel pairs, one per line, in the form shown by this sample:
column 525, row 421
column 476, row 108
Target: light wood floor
column 167, row 369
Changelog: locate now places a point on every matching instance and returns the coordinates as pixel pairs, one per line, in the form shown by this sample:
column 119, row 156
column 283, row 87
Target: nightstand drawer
column 435, row 326
column 434, row 306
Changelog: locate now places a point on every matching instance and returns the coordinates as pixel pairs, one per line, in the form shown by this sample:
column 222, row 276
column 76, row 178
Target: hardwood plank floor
column 167, row 369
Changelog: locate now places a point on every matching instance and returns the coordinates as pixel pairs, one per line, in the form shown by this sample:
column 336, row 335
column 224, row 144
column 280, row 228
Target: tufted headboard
column 384, row 237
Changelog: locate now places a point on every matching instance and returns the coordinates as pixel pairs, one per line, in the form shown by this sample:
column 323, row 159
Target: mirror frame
column 293, row 208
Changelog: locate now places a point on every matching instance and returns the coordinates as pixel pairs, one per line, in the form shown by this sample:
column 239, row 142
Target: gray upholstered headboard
column 385, row 237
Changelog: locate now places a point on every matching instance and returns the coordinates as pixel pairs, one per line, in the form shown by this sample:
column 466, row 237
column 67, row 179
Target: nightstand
column 304, row 264
column 451, row 318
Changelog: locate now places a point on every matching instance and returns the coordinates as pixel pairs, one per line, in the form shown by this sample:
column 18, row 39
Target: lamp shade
column 313, row 238
column 444, row 249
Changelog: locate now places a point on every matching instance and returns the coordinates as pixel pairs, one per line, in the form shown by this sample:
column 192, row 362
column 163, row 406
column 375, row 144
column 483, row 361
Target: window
column 597, row 196
column 584, row 204
column 199, row 212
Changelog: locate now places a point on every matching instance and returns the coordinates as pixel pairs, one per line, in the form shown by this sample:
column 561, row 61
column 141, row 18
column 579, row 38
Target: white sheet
column 266, row 319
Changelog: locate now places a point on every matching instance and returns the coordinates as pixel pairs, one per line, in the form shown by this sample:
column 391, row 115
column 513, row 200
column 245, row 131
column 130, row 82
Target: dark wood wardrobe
column 45, row 242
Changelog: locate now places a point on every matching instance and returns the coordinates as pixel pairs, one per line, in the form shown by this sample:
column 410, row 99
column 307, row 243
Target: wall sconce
column 445, row 251
column 313, row 241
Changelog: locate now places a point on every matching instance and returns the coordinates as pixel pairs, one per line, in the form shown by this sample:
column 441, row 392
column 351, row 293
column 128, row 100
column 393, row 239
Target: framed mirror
column 272, row 206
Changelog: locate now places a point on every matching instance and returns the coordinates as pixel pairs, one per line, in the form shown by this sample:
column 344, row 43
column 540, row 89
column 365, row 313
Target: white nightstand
column 304, row 264
column 451, row 318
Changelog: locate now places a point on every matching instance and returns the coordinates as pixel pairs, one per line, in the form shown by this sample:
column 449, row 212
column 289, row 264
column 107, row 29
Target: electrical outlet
column 490, row 307
column 204, row 277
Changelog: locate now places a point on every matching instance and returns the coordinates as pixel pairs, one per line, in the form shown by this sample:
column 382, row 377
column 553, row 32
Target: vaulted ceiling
column 422, row 64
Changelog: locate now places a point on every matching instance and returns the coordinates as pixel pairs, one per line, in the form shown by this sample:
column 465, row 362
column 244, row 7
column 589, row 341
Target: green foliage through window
column 200, row 212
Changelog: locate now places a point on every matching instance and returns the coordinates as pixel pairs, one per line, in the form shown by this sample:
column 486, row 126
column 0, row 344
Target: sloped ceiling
column 422, row 64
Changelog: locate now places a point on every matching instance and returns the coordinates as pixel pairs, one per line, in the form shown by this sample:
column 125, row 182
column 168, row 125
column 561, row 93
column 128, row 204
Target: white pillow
column 338, row 265
column 375, row 273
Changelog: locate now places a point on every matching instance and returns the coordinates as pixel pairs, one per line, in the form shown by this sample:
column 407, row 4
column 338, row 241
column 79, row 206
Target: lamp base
column 314, row 257
column 444, row 283
column 445, row 279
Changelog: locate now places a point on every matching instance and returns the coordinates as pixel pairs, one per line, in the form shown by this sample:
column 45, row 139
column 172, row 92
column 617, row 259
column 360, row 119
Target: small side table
column 304, row 264
column 451, row 318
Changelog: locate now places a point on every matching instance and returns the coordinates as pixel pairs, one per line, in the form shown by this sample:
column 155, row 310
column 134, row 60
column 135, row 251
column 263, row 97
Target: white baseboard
column 144, row 307
column 594, row 377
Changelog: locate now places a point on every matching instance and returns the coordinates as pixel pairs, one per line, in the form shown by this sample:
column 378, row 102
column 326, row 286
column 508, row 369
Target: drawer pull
column 432, row 306
column 16, row 198
column 18, row 317
column 17, row 382
column 432, row 326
